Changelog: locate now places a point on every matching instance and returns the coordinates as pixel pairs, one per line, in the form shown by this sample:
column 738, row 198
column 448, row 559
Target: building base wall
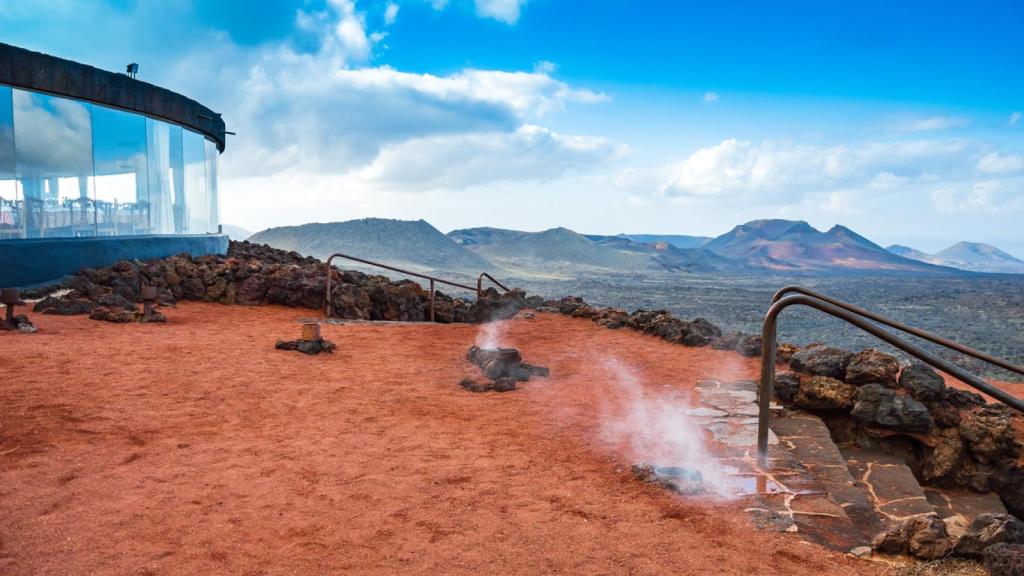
column 31, row 262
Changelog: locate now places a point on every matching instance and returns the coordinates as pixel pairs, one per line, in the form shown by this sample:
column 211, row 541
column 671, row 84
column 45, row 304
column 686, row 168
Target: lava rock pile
column 253, row 274
column 115, row 308
column 19, row 322
column 311, row 347
column 502, row 367
column 949, row 437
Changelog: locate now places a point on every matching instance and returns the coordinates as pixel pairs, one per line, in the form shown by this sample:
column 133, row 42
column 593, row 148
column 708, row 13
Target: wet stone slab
column 889, row 485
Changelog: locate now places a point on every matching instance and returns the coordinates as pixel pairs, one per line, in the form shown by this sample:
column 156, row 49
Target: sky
column 901, row 120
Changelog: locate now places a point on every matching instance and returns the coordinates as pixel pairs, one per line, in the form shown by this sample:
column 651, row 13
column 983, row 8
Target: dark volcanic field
column 985, row 312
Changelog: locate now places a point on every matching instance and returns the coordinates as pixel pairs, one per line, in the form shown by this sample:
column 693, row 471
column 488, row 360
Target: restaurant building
column 97, row 166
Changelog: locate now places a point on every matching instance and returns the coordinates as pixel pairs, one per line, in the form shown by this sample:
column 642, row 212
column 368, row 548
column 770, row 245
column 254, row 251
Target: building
column 97, row 166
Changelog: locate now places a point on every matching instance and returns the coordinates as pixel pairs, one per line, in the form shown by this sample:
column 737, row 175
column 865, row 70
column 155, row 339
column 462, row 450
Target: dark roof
column 23, row 68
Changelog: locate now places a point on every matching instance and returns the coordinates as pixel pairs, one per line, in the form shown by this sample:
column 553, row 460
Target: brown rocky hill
column 409, row 244
column 796, row 246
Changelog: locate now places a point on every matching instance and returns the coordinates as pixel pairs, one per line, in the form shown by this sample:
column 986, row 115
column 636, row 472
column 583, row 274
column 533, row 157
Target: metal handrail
column 480, row 281
column 902, row 327
column 768, row 351
column 433, row 279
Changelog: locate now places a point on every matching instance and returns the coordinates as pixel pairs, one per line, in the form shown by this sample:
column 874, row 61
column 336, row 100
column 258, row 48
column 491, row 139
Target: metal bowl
column 679, row 474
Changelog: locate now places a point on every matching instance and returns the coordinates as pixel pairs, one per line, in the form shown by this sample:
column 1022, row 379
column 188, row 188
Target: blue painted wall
column 30, row 262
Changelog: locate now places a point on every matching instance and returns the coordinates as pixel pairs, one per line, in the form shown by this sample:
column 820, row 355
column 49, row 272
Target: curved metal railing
column 845, row 313
column 480, row 283
column 902, row 327
column 432, row 279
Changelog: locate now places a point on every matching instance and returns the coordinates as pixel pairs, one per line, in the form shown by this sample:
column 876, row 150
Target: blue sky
column 901, row 120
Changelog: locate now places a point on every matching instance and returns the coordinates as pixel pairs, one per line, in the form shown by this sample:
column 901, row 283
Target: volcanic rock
column 987, row 432
column 311, row 347
column 669, row 329
column 989, row 529
column 820, row 360
column 784, row 352
column 252, row 274
column 727, row 341
column 945, row 457
column 63, row 306
column 613, row 318
column 1004, row 559
column 824, row 393
column 1007, row 480
column 876, row 404
column 569, row 305
column 496, row 363
column 19, row 322
column 117, row 315
column 532, row 370
column 115, row 301
column 923, row 537
column 700, row 332
column 787, row 385
column 872, row 366
column 922, row 382
column 749, row 345
column 500, row 385
column 976, row 476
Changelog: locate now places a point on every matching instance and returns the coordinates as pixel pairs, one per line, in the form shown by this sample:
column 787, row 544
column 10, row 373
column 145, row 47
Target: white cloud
column 545, row 67
column 390, row 13
column 887, row 181
column 932, row 124
column 506, row 11
column 996, row 163
column 710, row 97
column 326, row 112
column 734, row 167
column 1015, row 117
column 463, row 160
column 773, row 171
column 986, row 197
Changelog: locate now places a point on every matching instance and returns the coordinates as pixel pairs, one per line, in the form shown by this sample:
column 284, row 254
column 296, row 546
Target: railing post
column 767, row 385
column 327, row 296
column 431, row 299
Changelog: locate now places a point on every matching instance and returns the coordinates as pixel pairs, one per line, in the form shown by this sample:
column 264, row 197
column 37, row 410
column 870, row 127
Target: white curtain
column 159, row 162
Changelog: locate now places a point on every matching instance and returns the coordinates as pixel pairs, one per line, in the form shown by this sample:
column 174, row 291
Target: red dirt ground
column 196, row 448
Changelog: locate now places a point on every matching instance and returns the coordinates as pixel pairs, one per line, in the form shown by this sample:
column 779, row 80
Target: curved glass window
column 70, row 168
column 9, row 197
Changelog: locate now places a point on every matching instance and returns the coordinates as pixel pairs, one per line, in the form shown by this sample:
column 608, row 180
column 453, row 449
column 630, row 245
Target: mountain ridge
column 968, row 256
column 412, row 243
column 774, row 245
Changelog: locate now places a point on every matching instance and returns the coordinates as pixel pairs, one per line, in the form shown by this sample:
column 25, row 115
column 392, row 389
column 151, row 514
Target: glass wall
column 121, row 191
column 53, row 163
column 196, row 205
column 70, row 168
column 9, row 198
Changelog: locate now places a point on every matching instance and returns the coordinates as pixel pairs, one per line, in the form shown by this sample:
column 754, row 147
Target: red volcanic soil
column 195, row 447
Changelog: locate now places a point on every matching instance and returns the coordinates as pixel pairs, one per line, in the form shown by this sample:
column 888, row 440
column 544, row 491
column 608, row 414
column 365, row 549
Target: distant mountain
column 551, row 251
column 410, row 244
column 980, row 258
column 563, row 251
column 796, row 246
column 670, row 257
column 235, row 233
column 913, row 254
column 677, row 240
column 970, row 256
